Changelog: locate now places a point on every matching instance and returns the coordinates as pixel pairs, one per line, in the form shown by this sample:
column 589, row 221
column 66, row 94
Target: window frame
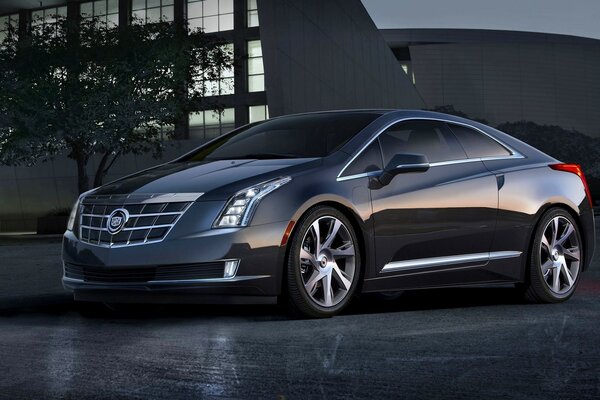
column 341, row 177
column 264, row 107
column 148, row 20
column 250, row 12
column 220, row 17
column 55, row 15
column 224, row 128
column 105, row 18
column 225, row 83
column 249, row 58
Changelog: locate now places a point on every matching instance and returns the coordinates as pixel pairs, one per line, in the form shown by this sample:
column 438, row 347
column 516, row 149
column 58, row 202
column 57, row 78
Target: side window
column 368, row 160
column 476, row 144
column 431, row 138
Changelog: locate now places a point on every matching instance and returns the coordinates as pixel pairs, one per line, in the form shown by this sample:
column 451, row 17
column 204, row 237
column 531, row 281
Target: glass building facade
column 149, row 11
column 252, row 13
column 241, row 91
column 224, row 85
column 207, row 125
column 258, row 113
column 210, row 15
column 6, row 22
column 256, row 70
column 48, row 17
column 107, row 11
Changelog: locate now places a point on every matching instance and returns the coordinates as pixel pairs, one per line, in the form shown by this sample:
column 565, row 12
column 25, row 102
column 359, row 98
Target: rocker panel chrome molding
column 421, row 263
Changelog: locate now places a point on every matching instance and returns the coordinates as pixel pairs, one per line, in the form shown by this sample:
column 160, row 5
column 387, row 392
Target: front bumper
column 257, row 279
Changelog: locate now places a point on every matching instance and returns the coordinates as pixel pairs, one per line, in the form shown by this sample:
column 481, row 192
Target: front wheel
column 555, row 260
column 324, row 263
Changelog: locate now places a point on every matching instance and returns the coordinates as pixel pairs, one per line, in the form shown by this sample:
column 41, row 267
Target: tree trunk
column 103, row 168
column 100, row 171
column 82, row 177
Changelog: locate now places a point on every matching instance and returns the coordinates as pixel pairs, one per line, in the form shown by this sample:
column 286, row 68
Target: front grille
column 210, row 270
column 149, row 221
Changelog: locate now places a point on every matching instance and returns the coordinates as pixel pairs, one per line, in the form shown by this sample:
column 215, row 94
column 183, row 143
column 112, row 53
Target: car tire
column 323, row 275
column 555, row 259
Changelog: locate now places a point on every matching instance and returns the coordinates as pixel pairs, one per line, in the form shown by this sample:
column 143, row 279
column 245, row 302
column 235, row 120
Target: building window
column 258, row 113
column 152, row 11
column 252, row 13
column 256, row 71
column 223, row 85
column 165, row 132
column 206, row 125
column 48, row 17
column 6, row 22
column 210, row 15
column 407, row 68
column 107, row 11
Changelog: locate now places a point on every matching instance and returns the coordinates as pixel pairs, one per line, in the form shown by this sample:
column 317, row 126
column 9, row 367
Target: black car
column 315, row 208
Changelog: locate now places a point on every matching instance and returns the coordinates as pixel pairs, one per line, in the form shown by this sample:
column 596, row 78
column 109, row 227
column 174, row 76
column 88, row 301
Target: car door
column 510, row 232
column 431, row 227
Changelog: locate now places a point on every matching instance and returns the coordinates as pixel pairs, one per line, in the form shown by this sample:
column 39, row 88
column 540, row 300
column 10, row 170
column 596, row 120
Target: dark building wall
column 328, row 54
column 317, row 56
column 507, row 76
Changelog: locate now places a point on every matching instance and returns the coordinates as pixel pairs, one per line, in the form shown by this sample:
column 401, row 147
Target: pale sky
column 570, row 17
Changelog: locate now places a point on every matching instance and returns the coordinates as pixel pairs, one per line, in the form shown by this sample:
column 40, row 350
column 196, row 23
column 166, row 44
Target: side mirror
column 400, row 163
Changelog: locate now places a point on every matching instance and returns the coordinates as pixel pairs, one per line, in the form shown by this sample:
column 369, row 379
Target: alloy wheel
column 327, row 261
column 560, row 255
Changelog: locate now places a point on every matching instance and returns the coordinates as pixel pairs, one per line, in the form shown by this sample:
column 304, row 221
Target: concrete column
column 124, row 12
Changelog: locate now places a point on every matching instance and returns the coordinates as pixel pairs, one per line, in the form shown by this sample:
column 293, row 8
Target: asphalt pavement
column 450, row 343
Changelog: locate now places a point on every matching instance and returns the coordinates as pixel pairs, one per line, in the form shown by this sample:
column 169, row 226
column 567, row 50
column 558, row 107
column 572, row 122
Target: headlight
column 239, row 209
column 73, row 216
column 75, row 210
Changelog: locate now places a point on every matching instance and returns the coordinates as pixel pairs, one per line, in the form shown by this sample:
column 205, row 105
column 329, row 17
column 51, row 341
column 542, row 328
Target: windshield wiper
column 257, row 156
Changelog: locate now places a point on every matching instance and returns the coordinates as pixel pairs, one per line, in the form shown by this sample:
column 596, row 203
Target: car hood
column 215, row 179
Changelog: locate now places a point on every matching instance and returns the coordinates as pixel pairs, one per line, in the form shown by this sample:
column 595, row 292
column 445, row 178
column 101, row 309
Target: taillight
column 575, row 169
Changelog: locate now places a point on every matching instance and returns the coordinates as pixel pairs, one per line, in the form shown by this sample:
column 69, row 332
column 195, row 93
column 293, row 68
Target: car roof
column 383, row 111
column 503, row 137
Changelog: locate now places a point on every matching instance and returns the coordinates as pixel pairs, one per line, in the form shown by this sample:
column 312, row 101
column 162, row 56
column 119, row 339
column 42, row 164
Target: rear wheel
column 324, row 264
column 556, row 258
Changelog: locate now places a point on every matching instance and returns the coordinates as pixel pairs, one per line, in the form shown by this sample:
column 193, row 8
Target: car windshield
column 298, row 136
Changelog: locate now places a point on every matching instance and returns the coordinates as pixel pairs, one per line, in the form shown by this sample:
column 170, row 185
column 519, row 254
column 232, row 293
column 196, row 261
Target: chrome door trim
column 356, row 176
column 514, row 153
column 419, row 165
column 431, row 165
column 430, row 262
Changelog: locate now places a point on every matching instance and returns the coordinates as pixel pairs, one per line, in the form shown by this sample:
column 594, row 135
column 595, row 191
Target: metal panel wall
column 322, row 55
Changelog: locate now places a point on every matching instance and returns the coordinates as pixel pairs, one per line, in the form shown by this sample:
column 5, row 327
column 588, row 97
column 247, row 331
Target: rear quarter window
column 476, row 144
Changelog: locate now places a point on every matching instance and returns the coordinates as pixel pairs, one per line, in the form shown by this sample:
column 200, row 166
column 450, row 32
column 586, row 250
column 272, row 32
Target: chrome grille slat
column 137, row 215
column 102, row 222
column 150, row 231
column 154, row 223
column 135, row 228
